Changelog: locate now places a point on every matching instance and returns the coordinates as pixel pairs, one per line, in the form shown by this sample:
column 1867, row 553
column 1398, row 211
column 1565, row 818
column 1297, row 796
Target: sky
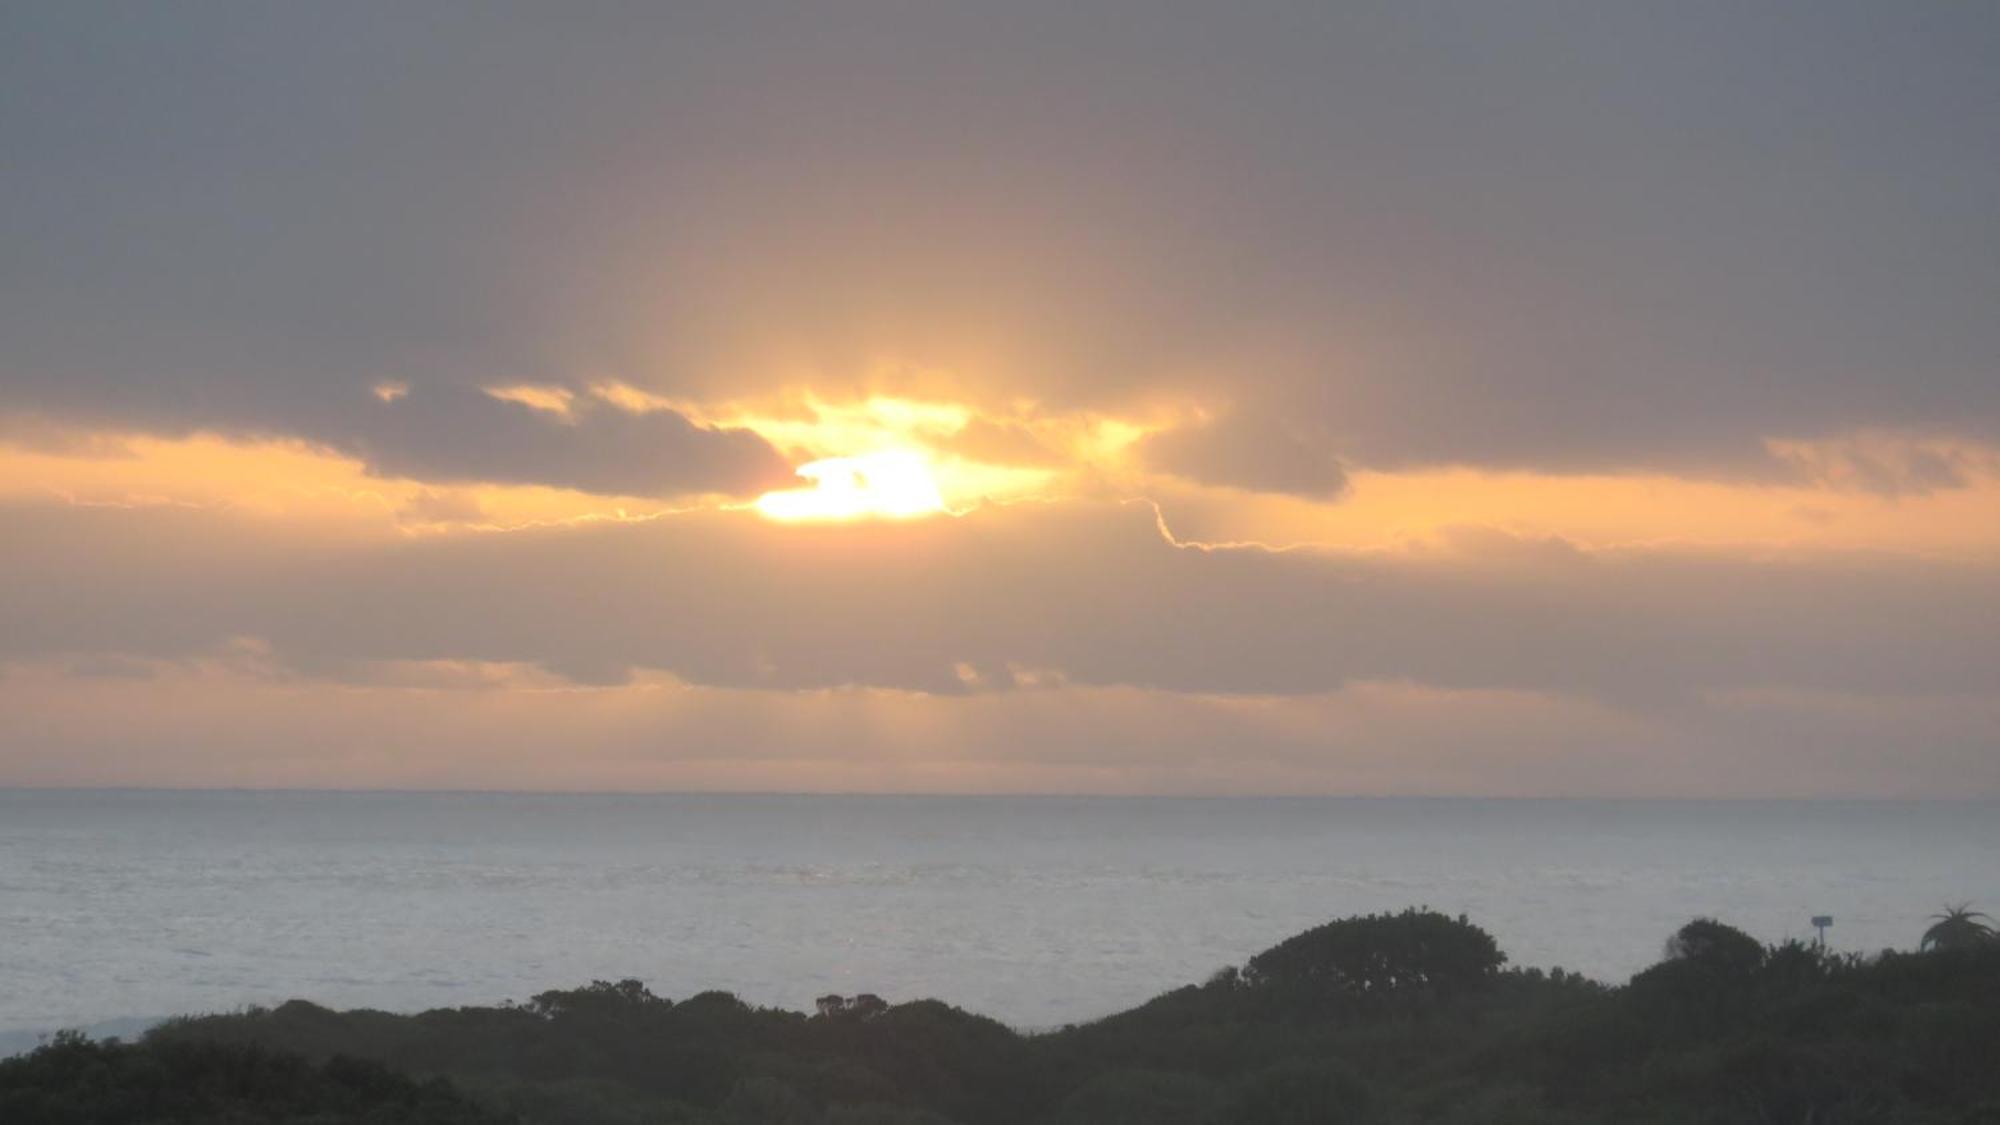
column 1556, row 399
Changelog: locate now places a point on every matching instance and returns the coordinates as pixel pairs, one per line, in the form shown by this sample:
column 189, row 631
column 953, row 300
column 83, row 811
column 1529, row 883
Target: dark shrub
column 1416, row 951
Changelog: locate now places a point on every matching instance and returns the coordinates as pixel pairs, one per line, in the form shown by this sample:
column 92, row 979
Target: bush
column 74, row 1081
column 1416, row 951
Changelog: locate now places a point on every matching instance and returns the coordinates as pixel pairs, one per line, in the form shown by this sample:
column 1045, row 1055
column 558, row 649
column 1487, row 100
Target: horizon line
column 445, row 791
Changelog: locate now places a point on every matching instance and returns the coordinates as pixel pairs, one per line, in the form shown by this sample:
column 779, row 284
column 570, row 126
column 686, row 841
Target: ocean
column 118, row 907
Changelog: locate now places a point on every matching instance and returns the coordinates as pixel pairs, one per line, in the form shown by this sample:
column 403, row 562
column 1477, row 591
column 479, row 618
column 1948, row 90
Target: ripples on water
column 1035, row 910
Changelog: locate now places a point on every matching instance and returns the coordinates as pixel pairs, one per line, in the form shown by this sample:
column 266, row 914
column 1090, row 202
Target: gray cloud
column 1884, row 465
column 1259, row 454
column 447, row 434
column 1521, row 236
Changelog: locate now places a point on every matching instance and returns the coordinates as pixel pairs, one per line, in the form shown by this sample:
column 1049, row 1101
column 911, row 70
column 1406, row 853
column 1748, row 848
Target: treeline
column 1391, row 1018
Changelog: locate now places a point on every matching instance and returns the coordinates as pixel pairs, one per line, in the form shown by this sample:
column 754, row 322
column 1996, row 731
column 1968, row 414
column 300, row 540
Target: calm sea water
column 1036, row 910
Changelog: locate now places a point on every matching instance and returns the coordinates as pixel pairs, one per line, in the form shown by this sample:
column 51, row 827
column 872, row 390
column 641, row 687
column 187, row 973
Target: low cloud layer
column 1072, row 593
column 232, row 720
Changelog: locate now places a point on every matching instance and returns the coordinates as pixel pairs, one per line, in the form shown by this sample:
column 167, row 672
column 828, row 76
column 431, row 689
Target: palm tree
column 1959, row 927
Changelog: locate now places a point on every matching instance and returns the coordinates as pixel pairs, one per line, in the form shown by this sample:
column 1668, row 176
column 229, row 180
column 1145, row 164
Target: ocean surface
column 129, row 906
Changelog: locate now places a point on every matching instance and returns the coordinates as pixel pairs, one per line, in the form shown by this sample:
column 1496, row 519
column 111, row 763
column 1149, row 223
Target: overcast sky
column 1457, row 398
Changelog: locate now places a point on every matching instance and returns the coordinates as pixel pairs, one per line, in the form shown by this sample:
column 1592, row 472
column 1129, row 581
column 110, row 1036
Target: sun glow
column 896, row 485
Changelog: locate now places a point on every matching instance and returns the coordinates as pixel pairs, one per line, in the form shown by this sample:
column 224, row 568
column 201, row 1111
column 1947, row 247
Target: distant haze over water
column 1035, row 910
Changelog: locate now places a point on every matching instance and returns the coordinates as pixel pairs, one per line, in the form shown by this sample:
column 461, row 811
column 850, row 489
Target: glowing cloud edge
column 895, row 484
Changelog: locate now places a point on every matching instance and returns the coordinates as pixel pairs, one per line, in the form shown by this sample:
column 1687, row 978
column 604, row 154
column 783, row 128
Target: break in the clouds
column 1463, row 397
column 1532, row 236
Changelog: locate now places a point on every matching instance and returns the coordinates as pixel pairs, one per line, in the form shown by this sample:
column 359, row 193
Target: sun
column 894, row 485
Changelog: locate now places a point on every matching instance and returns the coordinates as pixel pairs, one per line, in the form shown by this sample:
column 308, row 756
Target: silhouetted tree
column 865, row 1006
column 1723, row 950
column 600, row 998
column 1958, row 927
column 1797, row 964
column 1414, row 951
column 1706, row 983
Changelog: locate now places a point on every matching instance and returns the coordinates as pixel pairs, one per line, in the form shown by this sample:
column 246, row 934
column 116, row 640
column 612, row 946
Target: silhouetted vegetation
column 1393, row 1018
column 1958, row 927
column 73, row 1081
column 1380, row 955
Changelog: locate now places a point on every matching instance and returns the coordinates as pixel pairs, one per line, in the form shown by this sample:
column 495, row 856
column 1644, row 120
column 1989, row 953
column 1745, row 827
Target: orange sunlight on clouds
column 923, row 471
column 893, row 485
